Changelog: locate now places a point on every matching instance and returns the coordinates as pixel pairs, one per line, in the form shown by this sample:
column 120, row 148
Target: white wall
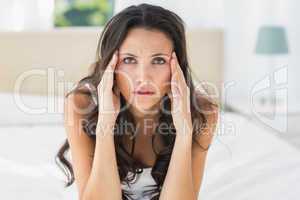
column 293, row 25
column 19, row 15
column 242, row 66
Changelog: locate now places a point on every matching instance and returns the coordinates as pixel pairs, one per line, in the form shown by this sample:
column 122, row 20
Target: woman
column 138, row 112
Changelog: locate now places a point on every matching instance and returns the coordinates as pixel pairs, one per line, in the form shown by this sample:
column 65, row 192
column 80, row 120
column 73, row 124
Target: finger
column 176, row 80
column 175, row 93
column 178, row 69
column 113, row 61
column 181, row 87
column 173, row 69
column 175, row 88
column 109, row 72
column 174, row 74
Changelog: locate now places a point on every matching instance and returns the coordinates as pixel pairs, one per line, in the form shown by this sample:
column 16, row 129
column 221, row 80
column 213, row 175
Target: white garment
column 138, row 186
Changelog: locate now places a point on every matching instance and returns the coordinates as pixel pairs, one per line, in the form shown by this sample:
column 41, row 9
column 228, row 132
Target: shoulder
column 77, row 105
column 209, row 108
column 78, row 101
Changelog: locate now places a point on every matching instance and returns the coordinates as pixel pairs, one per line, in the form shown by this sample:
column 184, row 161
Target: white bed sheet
column 247, row 163
column 26, row 109
column 250, row 162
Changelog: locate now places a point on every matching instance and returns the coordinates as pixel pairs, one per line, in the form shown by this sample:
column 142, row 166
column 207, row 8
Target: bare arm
column 108, row 186
column 93, row 162
column 187, row 164
column 81, row 145
column 199, row 154
column 178, row 183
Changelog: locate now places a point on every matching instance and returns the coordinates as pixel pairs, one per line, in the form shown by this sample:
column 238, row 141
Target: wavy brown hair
column 150, row 17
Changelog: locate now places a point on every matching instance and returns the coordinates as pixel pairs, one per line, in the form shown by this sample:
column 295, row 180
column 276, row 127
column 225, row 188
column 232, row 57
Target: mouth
column 143, row 92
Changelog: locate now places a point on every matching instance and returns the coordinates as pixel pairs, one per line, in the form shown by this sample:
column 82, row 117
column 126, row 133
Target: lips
column 144, row 92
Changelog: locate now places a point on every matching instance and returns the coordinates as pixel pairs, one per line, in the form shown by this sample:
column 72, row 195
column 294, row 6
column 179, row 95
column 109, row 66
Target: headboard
column 37, row 61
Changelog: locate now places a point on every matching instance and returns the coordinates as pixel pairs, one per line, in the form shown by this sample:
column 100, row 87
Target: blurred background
column 245, row 53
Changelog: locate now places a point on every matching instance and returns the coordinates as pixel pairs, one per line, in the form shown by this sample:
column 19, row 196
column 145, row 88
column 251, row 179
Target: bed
column 245, row 160
column 29, row 142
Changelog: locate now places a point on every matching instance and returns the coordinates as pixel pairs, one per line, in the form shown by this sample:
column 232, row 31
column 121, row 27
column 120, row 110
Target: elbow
column 83, row 196
column 88, row 196
column 195, row 196
column 190, row 197
column 97, row 196
column 186, row 195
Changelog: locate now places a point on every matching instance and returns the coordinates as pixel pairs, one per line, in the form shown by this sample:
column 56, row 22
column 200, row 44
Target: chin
column 144, row 105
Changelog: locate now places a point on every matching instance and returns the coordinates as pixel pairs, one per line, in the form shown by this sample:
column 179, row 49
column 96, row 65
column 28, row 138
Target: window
column 70, row 13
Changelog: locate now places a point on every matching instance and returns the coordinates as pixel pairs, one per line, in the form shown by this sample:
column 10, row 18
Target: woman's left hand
column 180, row 100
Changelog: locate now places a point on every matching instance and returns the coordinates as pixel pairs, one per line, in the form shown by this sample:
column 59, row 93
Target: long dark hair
column 150, row 17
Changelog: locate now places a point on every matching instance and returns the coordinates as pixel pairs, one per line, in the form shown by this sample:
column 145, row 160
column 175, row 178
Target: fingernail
column 115, row 53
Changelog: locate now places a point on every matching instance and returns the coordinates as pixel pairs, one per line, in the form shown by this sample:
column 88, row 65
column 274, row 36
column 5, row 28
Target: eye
column 159, row 61
column 128, row 60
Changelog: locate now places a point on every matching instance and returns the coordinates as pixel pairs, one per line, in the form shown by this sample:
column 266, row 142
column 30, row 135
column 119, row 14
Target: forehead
column 139, row 41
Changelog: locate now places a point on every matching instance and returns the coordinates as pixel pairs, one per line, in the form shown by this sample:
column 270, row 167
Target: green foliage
column 82, row 13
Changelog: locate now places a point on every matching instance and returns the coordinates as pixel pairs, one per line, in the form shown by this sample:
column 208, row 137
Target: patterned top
column 138, row 186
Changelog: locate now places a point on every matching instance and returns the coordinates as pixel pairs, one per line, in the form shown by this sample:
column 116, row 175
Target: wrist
column 105, row 127
column 184, row 142
column 183, row 130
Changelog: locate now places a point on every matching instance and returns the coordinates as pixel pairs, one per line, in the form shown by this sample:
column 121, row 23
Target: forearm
column 178, row 183
column 104, row 181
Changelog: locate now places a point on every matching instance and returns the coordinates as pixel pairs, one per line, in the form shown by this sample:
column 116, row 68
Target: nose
column 143, row 73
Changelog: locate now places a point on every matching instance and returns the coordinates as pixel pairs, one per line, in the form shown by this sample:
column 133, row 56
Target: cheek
column 124, row 80
column 163, row 80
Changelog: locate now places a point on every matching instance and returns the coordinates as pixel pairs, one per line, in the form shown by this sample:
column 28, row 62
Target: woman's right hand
column 108, row 97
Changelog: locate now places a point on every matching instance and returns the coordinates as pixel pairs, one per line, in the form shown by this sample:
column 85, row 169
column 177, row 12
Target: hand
column 108, row 96
column 180, row 99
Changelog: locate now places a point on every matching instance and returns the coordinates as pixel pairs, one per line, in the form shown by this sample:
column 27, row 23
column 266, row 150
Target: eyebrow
column 156, row 54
